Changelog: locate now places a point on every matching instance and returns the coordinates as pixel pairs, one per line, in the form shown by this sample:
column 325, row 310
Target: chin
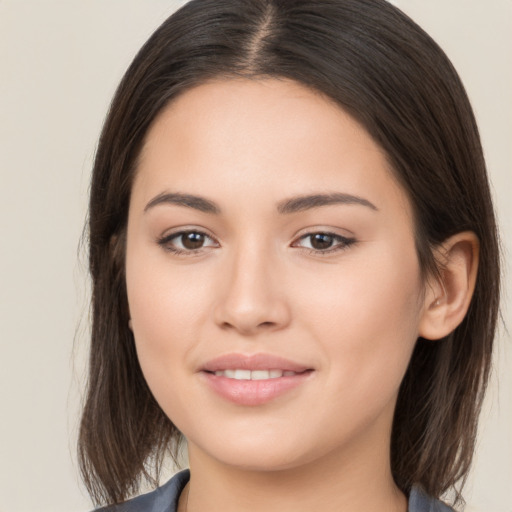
column 255, row 455
column 251, row 451
column 261, row 463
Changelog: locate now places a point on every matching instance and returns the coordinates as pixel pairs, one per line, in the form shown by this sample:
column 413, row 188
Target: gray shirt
column 165, row 499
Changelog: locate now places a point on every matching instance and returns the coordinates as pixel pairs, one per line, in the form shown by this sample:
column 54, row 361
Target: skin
column 353, row 315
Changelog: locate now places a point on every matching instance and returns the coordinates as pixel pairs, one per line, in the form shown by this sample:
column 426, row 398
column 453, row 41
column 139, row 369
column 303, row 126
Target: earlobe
column 448, row 297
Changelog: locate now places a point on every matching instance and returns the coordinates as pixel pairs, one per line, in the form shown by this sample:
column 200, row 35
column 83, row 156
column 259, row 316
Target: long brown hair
column 384, row 70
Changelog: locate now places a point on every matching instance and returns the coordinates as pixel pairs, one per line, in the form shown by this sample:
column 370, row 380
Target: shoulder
column 163, row 499
column 419, row 501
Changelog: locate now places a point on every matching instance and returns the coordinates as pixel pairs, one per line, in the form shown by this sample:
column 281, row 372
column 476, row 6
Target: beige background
column 59, row 64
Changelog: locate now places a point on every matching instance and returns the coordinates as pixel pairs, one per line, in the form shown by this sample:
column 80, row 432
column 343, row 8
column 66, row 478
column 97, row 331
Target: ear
column 448, row 295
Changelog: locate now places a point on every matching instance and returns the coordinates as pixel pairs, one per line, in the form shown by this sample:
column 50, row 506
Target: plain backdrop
column 60, row 62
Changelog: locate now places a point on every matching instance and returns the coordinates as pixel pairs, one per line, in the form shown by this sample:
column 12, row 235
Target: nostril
column 251, row 314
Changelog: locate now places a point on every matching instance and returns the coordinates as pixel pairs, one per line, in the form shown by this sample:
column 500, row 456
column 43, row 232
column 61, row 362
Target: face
column 273, row 283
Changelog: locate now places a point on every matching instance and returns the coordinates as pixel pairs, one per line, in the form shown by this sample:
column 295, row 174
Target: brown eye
column 321, row 241
column 187, row 242
column 192, row 240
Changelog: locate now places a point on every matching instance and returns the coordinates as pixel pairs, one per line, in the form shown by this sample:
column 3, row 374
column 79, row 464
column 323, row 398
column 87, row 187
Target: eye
column 322, row 243
column 192, row 242
column 186, row 242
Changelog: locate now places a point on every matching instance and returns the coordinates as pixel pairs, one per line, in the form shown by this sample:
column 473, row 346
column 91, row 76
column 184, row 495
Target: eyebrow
column 288, row 206
column 190, row 201
column 301, row 203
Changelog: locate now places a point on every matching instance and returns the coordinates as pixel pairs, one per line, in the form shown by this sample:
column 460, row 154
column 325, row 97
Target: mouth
column 255, row 379
column 241, row 374
column 237, row 365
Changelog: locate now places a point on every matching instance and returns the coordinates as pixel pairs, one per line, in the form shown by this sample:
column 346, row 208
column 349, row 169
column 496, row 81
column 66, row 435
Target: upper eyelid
column 165, row 239
column 181, row 231
column 323, row 232
column 340, row 238
column 301, row 232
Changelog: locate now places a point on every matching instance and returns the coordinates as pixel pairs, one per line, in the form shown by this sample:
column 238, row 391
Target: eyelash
column 343, row 243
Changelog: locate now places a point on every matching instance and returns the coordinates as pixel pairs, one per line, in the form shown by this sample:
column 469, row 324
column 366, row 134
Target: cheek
column 165, row 307
column 366, row 316
column 163, row 303
column 166, row 303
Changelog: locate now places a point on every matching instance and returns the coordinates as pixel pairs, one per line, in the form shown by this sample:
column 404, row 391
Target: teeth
column 264, row 374
column 242, row 374
column 238, row 374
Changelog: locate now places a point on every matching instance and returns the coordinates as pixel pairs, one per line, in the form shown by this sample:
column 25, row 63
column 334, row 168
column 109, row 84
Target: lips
column 253, row 379
column 253, row 362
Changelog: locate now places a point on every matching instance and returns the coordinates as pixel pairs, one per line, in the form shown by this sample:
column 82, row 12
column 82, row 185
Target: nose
column 253, row 295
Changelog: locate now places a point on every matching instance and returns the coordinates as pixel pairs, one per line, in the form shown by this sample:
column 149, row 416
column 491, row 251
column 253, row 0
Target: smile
column 242, row 374
column 254, row 379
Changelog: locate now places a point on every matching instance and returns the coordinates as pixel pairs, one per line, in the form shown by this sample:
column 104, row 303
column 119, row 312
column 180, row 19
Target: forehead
column 231, row 135
column 267, row 108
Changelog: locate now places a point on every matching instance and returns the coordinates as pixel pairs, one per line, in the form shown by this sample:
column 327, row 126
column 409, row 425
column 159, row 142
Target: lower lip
column 254, row 392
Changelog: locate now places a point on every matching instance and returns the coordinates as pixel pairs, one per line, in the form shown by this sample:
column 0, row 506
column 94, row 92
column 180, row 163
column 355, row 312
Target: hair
column 386, row 72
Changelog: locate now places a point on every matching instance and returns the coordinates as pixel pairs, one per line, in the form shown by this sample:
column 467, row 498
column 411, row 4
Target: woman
column 294, row 262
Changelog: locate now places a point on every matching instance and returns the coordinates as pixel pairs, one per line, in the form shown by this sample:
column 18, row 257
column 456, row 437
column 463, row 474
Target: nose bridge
column 254, row 295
